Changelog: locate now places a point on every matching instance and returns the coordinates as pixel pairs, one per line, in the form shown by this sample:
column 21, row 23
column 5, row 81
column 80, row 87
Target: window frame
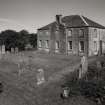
column 95, row 46
column 81, row 32
column 70, row 45
column 81, row 47
column 69, row 32
column 40, row 44
column 95, row 33
column 46, row 43
column 57, row 45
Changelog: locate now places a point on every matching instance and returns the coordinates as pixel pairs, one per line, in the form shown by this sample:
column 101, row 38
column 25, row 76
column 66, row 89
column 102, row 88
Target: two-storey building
column 73, row 34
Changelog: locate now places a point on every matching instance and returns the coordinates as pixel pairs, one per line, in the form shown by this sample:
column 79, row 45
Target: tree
column 13, row 39
column 23, row 39
column 33, row 40
column 9, row 38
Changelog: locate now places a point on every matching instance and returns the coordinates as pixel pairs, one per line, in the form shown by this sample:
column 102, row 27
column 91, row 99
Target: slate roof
column 75, row 21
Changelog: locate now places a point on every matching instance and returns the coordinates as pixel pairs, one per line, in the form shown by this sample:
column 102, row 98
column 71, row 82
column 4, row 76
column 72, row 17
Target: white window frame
column 95, row 33
column 47, row 32
column 70, row 45
column 40, row 43
column 95, row 46
column 56, row 32
column 80, row 46
column 81, row 32
column 57, row 45
column 69, row 32
column 46, row 43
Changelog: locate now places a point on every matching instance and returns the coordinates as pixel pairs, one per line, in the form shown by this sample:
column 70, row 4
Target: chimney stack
column 58, row 19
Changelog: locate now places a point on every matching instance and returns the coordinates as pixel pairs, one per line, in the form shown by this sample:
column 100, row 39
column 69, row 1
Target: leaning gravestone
column 83, row 67
column 40, row 76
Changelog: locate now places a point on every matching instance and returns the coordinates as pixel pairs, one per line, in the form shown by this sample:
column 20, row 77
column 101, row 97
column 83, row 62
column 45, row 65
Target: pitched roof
column 75, row 21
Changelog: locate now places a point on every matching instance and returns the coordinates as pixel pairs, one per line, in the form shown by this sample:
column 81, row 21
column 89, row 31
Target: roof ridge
column 84, row 20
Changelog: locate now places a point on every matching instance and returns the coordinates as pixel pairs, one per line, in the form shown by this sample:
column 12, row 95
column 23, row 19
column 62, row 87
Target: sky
column 33, row 14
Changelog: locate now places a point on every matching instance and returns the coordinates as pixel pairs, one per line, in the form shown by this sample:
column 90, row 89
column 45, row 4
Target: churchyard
column 21, row 74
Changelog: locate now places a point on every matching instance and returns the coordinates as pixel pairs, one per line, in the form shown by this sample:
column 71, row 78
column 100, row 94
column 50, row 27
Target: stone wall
column 95, row 37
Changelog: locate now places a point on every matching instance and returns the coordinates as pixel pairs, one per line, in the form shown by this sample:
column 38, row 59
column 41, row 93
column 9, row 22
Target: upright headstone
column 99, row 67
column 80, row 71
column 98, row 63
column 21, row 68
column 16, row 50
column 66, row 92
column 12, row 50
column 40, row 76
column 84, row 67
column 0, row 49
column 3, row 49
column 0, row 52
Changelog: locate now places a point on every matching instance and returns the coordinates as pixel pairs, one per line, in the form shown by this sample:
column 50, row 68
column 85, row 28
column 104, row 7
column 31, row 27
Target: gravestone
column 3, row 49
column 83, row 67
column 99, row 66
column 12, row 50
column 80, row 71
column 66, row 92
column 40, row 76
column 16, row 50
column 0, row 49
column 21, row 68
column 21, row 65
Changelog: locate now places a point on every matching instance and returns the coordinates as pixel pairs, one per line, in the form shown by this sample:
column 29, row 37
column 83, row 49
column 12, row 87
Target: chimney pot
column 59, row 19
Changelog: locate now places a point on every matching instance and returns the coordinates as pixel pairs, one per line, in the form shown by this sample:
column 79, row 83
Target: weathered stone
column 3, row 49
column 12, row 50
column 40, row 76
column 16, row 50
column 83, row 67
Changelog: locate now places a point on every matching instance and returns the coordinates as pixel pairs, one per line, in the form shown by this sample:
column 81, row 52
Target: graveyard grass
column 22, row 89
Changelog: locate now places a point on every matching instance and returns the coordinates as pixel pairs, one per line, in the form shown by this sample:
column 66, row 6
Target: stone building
column 73, row 34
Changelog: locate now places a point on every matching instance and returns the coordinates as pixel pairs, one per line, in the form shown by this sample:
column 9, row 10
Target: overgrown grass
column 93, row 87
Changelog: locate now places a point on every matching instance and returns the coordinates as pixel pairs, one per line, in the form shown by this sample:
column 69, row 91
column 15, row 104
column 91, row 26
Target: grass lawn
column 22, row 90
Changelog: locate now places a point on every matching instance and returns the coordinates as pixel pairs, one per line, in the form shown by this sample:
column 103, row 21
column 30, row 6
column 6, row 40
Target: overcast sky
column 33, row 14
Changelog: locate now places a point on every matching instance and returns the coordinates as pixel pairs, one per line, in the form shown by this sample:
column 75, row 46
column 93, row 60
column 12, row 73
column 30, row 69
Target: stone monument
column 40, row 76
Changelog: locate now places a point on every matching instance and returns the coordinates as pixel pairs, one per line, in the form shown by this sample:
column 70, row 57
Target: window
column 40, row 43
column 69, row 32
column 40, row 32
column 57, row 45
column 47, row 32
column 81, row 46
column 47, row 44
column 56, row 32
column 69, row 45
column 81, row 32
column 95, row 33
column 95, row 46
